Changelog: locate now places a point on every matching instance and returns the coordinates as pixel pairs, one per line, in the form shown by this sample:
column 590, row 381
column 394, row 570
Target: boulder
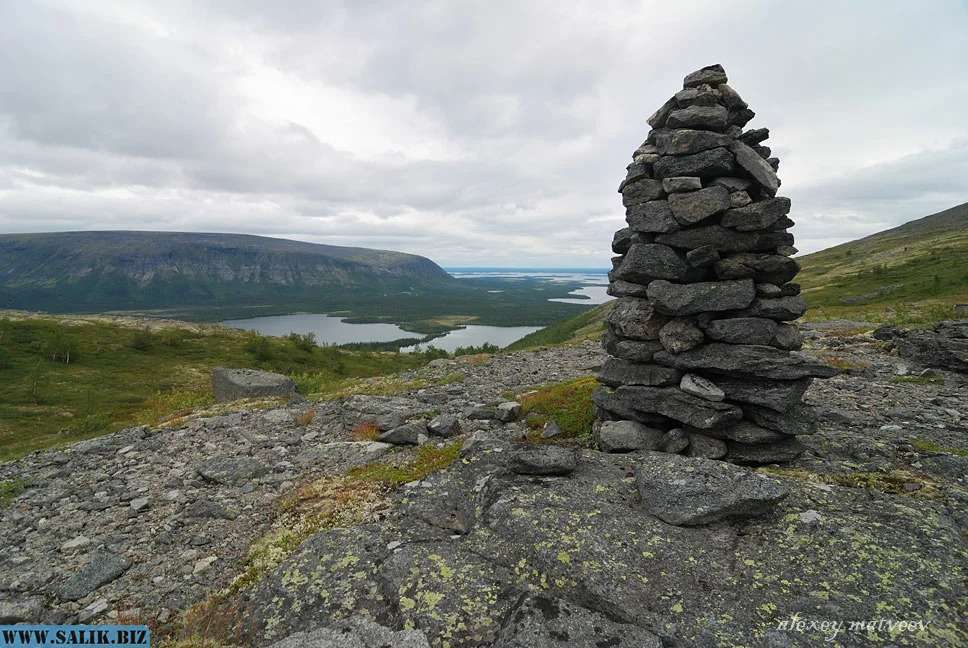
column 641, row 191
column 747, row 360
column 509, row 411
column 633, row 350
column 701, row 387
column 758, row 168
column 711, row 74
column 622, row 241
column 762, row 268
column 622, row 288
column 674, row 441
column 687, row 491
column 444, row 425
column 651, row 217
column 702, row 257
column 695, row 206
column 677, row 185
column 692, row 299
column 647, row 261
column 713, row 118
column 544, row 460
column 706, row 447
column 636, row 319
column 406, row 434
column 627, row 436
column 680, row 335
column 943, row 347
column 757, row 216
column 235, row 384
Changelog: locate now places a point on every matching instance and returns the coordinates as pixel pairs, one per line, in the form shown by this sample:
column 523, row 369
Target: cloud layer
column 476, row 133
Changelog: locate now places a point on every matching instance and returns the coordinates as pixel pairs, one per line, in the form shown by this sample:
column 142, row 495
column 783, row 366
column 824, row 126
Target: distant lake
column 335, row 330
column 594, row 280
column 474, row 335
column 328, row 329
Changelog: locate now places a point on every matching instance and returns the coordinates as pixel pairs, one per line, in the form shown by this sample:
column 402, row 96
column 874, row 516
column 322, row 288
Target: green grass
column 568, row 403
column 907, row 276
column 62, row 381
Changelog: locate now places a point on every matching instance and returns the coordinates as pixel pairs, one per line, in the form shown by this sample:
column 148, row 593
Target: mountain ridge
column 144, row 269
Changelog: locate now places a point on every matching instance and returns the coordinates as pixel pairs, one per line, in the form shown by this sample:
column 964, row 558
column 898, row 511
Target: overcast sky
column 476, row 133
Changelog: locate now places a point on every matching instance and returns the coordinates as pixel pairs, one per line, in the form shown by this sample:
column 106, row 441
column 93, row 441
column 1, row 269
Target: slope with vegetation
column 62, row 379
column 910, row 274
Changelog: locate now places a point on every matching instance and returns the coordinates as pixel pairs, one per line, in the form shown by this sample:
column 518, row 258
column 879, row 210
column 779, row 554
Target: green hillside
column 910, row 274
column 587, row 326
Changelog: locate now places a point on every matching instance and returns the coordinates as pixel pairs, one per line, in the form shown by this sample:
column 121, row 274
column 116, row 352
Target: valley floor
column 259, row 524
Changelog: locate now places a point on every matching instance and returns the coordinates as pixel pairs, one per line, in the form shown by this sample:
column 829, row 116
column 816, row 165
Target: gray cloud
column 474, row 133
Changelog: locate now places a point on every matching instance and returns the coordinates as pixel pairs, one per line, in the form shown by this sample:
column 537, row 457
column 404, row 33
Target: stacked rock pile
column 703, row 357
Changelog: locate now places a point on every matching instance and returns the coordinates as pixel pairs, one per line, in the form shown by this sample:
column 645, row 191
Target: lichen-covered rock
column 235, row 384
column 687, row 491
column 355, row 632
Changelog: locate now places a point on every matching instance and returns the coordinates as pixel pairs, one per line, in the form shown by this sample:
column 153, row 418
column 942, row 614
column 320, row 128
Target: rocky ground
column 145, row 523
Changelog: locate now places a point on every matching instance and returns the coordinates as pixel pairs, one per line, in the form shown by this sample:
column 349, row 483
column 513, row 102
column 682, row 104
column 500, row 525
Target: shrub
column 259, row 347
column 142, row 340
column 429, row 460
column 303, row 341
column 305, row 418
column 366, row 431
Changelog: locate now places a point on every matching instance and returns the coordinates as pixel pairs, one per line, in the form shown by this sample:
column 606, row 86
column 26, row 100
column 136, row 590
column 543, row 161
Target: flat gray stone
column 406, row 434
column 509, row 411
column 676, row 185
column 670, row 402
column 712, row 118
column 756, row 216
column 103, row 568
column 686, row 491
column 748, row 360
column 756, row 166
column 742, row 330
column 761, row 268
column 706, row 447
column 641, row 191
column 713, row 75
column 689, row 141
column 704, row 164
column 724, row 239
column 444, row 425
column 782, row 451
column 540, row 622
column 701, row 297
column 701, row 387
column 616, row 372
column 231, row 471
column 355, row 632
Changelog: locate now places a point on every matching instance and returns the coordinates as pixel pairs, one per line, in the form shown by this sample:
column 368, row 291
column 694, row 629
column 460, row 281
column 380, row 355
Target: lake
column 336, row 330
column 474, row 335
column 328, row 329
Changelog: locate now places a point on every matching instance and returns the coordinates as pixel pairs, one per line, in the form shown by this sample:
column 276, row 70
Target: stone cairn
column 703, row 359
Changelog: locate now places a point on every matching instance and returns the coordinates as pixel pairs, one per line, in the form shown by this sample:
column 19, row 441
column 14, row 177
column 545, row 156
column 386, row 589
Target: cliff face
column 117, row 270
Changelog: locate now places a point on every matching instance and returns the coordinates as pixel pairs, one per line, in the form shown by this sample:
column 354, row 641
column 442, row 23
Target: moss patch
column 569, row 404
column 429, row 459
column 10, row 489
column 894, row 482
column 923, row 445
